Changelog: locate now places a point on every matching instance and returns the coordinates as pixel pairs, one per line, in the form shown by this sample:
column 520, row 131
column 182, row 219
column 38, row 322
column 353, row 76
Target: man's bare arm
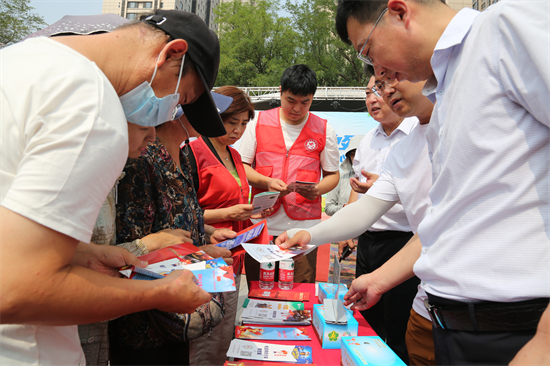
column 39, row 285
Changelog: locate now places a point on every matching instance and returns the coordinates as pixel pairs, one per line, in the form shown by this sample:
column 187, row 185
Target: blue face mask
column 142, row 107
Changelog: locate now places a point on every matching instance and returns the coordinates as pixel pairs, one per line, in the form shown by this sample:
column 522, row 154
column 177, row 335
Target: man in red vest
column 291, row 144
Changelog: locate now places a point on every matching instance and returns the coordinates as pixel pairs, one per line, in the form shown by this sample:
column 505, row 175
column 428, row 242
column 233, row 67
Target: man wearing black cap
column 64, row 143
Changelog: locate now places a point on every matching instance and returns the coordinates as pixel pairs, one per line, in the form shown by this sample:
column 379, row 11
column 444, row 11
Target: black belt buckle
column 437, row 320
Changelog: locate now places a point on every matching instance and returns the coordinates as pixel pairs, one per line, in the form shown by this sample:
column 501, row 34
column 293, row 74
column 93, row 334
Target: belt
column 488, row 316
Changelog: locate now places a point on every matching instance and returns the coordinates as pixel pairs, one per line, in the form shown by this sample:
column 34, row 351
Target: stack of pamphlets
column 273, row 305
column 271, row 333
column 269, row 352
column 264, row 316
column 273, row 253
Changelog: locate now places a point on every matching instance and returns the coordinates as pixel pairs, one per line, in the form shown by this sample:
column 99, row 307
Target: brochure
column 269, row 333
column 267, row 316
column 243, row 236
column 216, row 279
column 254, row 363
column 273, row 253
column 292, row 187
column 166, row 260
column 279, row 295
column 263, row 201
column 269, row 352
column 273, row 305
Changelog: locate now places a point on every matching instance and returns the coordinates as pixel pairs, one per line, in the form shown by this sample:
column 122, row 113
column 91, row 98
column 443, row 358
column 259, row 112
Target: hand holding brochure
column 243, row 236
column 263, row 201
column 272, row 333
column 272, row 253
column 269, row 352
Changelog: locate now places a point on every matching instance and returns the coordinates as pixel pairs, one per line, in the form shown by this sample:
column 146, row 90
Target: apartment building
column 134, row 9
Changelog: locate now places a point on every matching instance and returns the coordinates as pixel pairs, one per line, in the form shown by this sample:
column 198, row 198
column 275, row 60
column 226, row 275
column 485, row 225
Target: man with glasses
column 388, row 235
column 483, row 254
column 65, row 102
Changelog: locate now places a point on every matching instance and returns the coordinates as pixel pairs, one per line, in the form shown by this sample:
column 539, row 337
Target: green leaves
column 258, row 44
column 17, row 21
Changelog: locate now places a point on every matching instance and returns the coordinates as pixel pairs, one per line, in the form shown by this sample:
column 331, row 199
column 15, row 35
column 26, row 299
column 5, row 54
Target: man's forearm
column 399, row 268
column 329, row 182
column 40, row 286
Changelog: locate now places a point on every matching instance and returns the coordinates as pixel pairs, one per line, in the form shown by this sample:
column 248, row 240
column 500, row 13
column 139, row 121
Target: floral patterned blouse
column 154, row 195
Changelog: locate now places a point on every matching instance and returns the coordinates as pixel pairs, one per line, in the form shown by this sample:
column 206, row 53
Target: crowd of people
column 114, row 146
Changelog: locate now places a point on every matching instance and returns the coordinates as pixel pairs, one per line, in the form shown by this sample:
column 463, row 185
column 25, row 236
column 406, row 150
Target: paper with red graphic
column 269, row 352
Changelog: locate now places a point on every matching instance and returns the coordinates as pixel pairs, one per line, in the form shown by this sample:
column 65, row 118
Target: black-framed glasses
column 365, row 58
column 379, row 88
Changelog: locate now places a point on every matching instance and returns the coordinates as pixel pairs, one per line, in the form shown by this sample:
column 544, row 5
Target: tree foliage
column 17, row 20
column 335, row 62
column 256, row 44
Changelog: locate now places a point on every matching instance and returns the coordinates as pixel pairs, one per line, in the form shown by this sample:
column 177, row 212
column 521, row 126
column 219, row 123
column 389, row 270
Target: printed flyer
column 268, row 333
column 279, row 295
column 272, row 253
column 269, row 352
column 243, row 237
column 263, row 201
column 273, row 305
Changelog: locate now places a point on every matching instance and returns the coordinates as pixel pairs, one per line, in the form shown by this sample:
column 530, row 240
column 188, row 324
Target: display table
column 329, row 357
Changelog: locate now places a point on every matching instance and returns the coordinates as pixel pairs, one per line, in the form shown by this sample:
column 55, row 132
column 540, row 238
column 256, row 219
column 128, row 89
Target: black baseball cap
column 204, row 51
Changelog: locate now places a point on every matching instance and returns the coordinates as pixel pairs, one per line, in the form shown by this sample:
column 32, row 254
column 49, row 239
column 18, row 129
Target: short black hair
column 364, row 11
column 299, row 80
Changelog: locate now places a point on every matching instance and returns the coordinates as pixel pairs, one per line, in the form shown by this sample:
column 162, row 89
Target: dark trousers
column 168, row 353
column 389, row 317
column 454, row 347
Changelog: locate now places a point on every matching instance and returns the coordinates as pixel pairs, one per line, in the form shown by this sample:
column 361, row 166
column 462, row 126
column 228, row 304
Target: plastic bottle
column 286, row 274
column 267, row 275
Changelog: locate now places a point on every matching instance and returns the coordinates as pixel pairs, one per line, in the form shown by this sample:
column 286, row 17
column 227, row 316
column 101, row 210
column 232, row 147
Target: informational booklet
column 216, row 279
column 263, row 201
column 292, row 187
column 273, row 253
column 166, row 260
column 273, row 305
column 254, row 363
column 266, row 316
column 213, row 275
column 271, row 333
column 243, row 237
column 269, row 352
column 280, row 295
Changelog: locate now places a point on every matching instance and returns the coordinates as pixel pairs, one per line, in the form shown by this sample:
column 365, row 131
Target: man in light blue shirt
column 484, row 246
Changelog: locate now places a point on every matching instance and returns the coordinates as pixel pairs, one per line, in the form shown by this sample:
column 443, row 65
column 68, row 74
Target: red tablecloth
column 329, row 357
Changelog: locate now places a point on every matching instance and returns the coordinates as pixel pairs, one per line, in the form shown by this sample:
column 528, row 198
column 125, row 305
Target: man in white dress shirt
column 483, row 254
column 392, row 231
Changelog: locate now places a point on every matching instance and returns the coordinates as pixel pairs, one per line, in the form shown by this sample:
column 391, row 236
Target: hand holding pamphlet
column 272, row 253
column 213, row 275
column 292, row 187
column 263, row 201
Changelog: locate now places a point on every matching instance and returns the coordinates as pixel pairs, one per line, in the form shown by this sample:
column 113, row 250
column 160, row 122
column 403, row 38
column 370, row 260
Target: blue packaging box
column 368, row 350
column 328, row 291
column 330, row 335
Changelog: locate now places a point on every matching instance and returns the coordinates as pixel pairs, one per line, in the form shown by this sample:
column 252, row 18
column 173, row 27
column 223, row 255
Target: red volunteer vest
column 217, row 187
column 301, row 162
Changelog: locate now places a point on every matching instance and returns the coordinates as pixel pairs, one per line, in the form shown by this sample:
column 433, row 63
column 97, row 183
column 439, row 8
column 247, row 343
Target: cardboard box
column 330, row 335
column 328, row 291
column 372, row 351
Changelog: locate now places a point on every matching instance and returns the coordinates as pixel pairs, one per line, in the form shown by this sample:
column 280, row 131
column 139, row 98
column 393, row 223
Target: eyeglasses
column 378, row 88
column 365, row 58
